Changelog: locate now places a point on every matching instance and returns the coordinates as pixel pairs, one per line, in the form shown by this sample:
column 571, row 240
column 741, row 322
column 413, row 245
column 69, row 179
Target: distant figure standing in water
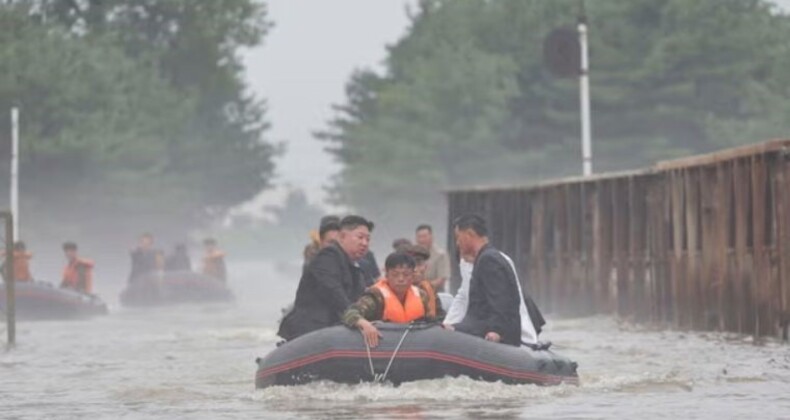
column 179, row 260
column 214, row 260
column 78, row 274
column 144, row 258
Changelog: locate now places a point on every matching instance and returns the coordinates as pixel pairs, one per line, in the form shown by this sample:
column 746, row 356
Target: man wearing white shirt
column 491, row 303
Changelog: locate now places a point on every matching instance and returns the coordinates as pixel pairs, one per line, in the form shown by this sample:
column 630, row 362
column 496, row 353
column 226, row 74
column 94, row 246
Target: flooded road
column 198, row 362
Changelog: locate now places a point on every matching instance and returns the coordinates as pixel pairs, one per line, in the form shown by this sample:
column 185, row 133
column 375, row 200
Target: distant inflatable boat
column 408, row 353
column 40, row 300
column 175, row 287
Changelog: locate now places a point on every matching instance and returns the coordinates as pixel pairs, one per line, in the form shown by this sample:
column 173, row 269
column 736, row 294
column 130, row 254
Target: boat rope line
column 383, row 377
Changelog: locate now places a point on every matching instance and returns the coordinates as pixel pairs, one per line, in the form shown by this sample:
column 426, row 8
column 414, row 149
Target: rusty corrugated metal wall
column 698, row 243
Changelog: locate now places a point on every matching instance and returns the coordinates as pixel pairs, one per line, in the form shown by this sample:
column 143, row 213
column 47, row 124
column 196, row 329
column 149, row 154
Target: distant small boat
column 408, row 353
column 41, row 301
column 173, row 287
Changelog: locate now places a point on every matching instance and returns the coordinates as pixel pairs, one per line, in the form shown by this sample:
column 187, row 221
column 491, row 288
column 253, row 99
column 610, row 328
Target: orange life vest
column 78, row 275
column 428, row 288
column 22, row 266
column 394, row 310
column 214, row 265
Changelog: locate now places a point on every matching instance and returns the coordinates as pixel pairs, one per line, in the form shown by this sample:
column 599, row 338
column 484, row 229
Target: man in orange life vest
column 392, row 299
column 78, row 274
column 21, row 262
column 214, row 260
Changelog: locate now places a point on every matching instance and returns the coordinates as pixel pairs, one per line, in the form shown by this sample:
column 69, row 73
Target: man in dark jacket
column 496, row 305
column 330, row 282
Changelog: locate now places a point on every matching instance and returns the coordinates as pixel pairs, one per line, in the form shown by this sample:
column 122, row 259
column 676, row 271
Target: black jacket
column 494, row 299
column 330, row 283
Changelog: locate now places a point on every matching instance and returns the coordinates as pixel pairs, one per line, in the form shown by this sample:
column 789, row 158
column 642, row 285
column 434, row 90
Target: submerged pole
column 584, row 94
column 15, row 170
column 10, row 293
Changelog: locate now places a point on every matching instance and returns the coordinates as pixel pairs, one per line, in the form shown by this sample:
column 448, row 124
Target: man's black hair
column 399, row 259
column 209, row 241
column 471, row 221
column 69, row 246
column 424, row 226
column 353, row 221
column 328, row 227
column 20, row 246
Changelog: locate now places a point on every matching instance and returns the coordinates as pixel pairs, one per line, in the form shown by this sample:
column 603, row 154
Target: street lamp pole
column 584, row 93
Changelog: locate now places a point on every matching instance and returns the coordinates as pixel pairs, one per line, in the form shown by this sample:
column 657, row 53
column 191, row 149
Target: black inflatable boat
column 173, row 287
column 40, row 300
column 408, row 353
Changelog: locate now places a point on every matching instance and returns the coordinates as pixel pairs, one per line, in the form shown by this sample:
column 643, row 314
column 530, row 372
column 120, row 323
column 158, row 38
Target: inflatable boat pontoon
column 173, row 287
column 408, row 353
column 40, row 300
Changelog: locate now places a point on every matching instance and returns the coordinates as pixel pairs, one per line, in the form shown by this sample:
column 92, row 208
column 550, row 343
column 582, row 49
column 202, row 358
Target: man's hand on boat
column 369, row 332
column 492, row 336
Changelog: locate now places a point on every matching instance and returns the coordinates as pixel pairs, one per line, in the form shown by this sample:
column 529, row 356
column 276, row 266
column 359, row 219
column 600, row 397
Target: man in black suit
column 330, row 282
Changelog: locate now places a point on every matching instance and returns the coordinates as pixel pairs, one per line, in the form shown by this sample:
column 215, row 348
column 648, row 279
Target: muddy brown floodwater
column 197, row 362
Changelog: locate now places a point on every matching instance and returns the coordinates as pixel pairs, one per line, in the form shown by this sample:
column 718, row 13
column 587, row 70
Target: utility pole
column 584, row 92
column 10, row 293
column 15, row 171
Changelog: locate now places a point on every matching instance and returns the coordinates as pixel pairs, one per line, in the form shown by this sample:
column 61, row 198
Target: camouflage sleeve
column 369, row 306
column 426, row 303
column 440, row 312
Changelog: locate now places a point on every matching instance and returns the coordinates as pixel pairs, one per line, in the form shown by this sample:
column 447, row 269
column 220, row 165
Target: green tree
column 466, row 98
column 134, row 114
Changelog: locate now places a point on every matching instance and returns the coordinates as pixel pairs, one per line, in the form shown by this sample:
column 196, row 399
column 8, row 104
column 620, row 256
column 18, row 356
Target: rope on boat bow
column 381, row 377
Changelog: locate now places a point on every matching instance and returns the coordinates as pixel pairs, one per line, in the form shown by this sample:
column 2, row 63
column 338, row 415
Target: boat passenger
column 421, row 256
column 370, row 268
column 328, row 230
column 179, row 260
column 330, row 282
column 78, row 274
column 214, row 260
column 392, row 299
column 457, row 310
column 144, row 258
column 497, row 310
column 401, row 244
column 438, row 271
column 21, row 262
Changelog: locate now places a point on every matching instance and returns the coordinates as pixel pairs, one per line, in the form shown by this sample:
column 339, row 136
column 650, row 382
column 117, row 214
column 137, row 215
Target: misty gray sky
column 302, row 68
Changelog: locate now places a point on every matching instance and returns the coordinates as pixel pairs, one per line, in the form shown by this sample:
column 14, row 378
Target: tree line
column 465, row 97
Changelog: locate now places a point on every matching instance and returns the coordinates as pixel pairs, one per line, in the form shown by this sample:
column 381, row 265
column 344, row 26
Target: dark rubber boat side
column 174, row 287
column 339, row 354
column 41, row 301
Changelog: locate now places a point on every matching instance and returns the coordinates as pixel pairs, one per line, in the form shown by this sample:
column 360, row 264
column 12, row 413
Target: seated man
column 497, row 310
column 78, row 274
column 21, row 262
column 421, row 256
column 392, row 299
column 214, row 260
column 330, row 282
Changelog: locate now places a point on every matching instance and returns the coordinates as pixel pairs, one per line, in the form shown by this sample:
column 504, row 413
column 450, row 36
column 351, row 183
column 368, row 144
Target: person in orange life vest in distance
column 214, row 261
column 392, row 299
column 78, row 274
column 496, row 304
column 21, row 262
